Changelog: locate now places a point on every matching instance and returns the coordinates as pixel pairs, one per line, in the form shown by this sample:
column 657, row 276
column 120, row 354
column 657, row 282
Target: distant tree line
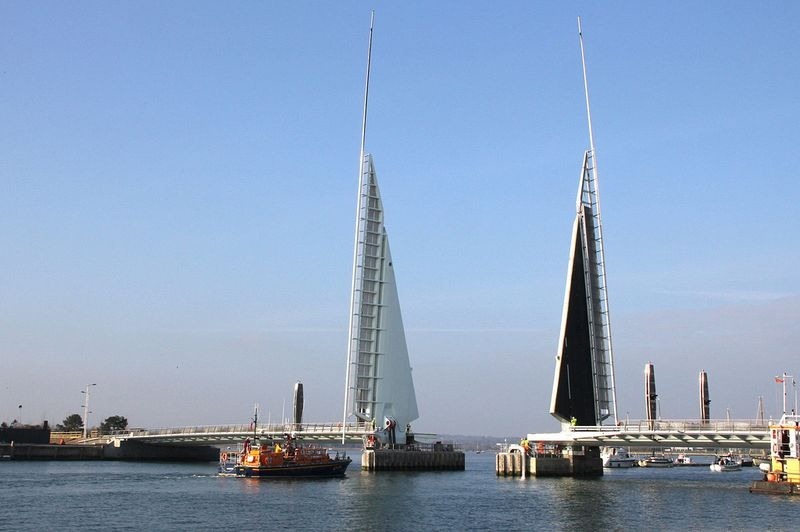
column 74, row 423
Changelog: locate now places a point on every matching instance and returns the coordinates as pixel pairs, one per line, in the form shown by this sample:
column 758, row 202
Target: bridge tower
column 650, row 396
column 379, row 388
column 583, row 386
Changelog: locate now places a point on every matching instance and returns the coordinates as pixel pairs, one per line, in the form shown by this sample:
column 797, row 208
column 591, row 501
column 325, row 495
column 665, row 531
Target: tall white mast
column 596, row 208
column 586, row 93
column 359, row 206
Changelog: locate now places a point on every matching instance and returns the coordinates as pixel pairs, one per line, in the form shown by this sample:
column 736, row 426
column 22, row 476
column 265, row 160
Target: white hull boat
column 725, row 464
column 615, row 457
column 656, row 461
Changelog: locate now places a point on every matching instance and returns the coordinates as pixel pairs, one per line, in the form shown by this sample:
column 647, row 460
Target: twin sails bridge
column 379, row 395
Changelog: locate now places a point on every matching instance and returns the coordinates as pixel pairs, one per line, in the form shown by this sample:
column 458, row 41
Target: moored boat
column 656, row 461
column 616, row 457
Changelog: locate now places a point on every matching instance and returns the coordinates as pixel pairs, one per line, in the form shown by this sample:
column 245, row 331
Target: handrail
column 677, row 425
column 273, row 428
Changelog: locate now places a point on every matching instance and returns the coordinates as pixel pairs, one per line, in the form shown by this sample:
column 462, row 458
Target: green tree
column 113, row 423
column 71, row 423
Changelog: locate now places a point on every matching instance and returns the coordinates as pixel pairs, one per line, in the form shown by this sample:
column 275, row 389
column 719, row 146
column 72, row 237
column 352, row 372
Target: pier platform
column 436, row 457
column 576, row 461
column 774, row 488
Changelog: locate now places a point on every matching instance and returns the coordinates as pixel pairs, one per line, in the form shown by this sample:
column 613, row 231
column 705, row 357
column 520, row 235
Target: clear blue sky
column 177, row 196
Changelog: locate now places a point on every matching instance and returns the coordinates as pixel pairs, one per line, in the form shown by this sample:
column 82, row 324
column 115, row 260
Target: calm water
column 118, row 496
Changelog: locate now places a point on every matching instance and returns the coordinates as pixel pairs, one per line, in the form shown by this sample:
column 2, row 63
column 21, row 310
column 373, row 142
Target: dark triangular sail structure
column 583, row 386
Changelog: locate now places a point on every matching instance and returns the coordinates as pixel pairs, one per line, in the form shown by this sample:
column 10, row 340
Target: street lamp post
column 781, row 379
column 86, row 409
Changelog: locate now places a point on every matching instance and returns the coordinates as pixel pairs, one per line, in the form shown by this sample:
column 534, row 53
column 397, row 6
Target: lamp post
column 86, row 409
column 781, row 379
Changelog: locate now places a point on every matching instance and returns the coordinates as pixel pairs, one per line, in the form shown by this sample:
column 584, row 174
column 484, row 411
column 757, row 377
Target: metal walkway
column 739, row 434
column 226, row 434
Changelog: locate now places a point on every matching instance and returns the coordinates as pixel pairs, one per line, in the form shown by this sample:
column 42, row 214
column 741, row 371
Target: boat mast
column 255, row 422
column 359, row 206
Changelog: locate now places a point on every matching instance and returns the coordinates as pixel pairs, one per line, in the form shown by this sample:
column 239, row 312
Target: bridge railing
column 679, row 425
column 272, row 428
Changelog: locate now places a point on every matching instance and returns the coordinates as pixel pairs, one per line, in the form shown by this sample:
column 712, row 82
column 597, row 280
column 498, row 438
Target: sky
column 178, row 190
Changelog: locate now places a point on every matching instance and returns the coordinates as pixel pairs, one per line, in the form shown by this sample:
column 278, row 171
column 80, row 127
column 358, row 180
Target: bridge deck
column 674, row 433
column 226, row 434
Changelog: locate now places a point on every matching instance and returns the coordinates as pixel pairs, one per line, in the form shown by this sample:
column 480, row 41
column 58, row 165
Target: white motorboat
column 726, row 464
column 656, row 461
column 614, row 457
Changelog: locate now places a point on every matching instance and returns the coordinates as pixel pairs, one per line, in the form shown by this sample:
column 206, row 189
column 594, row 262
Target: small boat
column 746, row 461
column 227, row 463
column 616, row 457
column 762, row 460
column 684, row 460
column 656, row 461
column 726, row 464
column 265, row 460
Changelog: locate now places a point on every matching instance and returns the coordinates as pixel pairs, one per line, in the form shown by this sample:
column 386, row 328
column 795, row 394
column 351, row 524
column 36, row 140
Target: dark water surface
column 148, row 496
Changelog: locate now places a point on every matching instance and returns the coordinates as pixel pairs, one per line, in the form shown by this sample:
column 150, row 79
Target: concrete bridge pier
column 437, row 457
column 570, row 461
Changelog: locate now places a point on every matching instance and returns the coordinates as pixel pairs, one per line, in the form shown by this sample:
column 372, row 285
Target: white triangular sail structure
column 379, row 387
column 379, row 377
column 583, row 387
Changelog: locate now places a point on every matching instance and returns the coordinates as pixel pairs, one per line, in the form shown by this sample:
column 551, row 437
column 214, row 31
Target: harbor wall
column 25, row 434
column 410, row 460
column 135, row 450
column 33, row 451
column 127, row 450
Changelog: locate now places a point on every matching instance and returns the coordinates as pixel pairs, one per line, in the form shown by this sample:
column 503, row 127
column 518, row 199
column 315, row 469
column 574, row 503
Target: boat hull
column 724, row 468
column 333, row 468
column 774, row 488
column 619, row 464
column 658, row 462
